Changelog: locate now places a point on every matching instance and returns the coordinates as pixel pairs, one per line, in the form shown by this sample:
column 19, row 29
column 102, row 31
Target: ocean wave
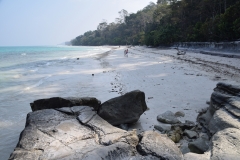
column 24, row 54
column 5, row 123
column 41, row 81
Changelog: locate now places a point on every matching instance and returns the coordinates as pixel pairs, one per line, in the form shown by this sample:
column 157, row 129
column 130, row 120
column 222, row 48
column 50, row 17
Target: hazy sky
column 51, row 22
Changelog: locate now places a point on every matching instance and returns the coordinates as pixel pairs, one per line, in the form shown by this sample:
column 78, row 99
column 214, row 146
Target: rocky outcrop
column 222, row 123
column 78, row 132
column 124, row 109
column 53, row 134
column 226, row 144
column 58, row 102
column 224, row 110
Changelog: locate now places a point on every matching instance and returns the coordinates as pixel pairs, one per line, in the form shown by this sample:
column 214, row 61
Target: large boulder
column 124, row 109
column 226, row 145
column 158, row 145
column 58, row 102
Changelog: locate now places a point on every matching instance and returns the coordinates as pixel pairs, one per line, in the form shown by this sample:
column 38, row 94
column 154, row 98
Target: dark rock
column 184, row 148
column 186, row 125
column 179, row 114
column 227, row 89
column 124, row 126
column 77, row 58
column 158, row 145
column 124, row 109
column 199, row 146
column 163, row 127
column 58, row 102
column 226, row 144
column 190, row 134
column 168, row 117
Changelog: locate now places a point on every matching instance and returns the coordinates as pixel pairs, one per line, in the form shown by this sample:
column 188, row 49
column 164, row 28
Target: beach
column 170, row 82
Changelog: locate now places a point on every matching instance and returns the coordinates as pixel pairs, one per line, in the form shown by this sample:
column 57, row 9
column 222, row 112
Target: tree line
column 169, row 21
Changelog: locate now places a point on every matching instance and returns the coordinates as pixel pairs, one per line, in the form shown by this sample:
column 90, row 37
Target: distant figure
column 126, row 52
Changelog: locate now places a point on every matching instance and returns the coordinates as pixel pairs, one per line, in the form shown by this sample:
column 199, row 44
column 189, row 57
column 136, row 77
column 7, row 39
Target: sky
column 52, row 22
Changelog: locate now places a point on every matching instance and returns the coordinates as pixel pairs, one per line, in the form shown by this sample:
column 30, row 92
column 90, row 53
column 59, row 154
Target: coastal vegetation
column 169, row 21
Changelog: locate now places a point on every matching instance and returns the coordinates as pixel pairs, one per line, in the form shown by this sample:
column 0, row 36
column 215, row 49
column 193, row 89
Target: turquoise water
column 30, row 73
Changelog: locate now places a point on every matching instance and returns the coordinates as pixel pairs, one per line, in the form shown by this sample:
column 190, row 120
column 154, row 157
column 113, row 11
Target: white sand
column 169, row 83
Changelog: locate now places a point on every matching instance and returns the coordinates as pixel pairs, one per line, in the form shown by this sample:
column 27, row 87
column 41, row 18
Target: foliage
column 167, row 22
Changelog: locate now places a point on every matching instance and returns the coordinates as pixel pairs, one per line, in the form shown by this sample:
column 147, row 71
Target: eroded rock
column 226, row 144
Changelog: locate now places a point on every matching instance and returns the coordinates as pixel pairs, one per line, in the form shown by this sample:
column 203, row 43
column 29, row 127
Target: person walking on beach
column 126, row 52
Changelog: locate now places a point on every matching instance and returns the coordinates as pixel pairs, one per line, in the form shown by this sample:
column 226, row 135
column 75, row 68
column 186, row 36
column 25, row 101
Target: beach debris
column 188, row 73
column 199, row 74
column 179, row 114
column 121, row 106
column 181, row 52
column 150, row 97
column 168, row 117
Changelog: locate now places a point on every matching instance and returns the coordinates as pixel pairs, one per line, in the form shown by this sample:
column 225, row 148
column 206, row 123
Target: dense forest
column 167, row 22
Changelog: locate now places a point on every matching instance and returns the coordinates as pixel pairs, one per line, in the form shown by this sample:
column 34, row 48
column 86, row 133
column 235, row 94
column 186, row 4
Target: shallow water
column 30, row 73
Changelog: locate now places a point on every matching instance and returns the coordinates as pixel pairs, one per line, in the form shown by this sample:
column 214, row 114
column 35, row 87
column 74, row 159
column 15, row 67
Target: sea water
column 30, row 73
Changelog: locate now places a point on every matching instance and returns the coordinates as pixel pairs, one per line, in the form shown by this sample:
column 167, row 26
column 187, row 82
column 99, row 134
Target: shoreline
column 169, row 82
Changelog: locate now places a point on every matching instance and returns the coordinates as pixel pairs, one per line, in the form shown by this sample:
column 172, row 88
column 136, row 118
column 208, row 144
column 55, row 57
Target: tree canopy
column 169, row 21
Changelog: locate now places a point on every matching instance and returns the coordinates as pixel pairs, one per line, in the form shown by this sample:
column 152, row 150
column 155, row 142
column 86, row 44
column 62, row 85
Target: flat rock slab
column 159, row 145
column 58, row 102
column 53, row 134
column 124, row 109
column 168, row 117
column 226, row 144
